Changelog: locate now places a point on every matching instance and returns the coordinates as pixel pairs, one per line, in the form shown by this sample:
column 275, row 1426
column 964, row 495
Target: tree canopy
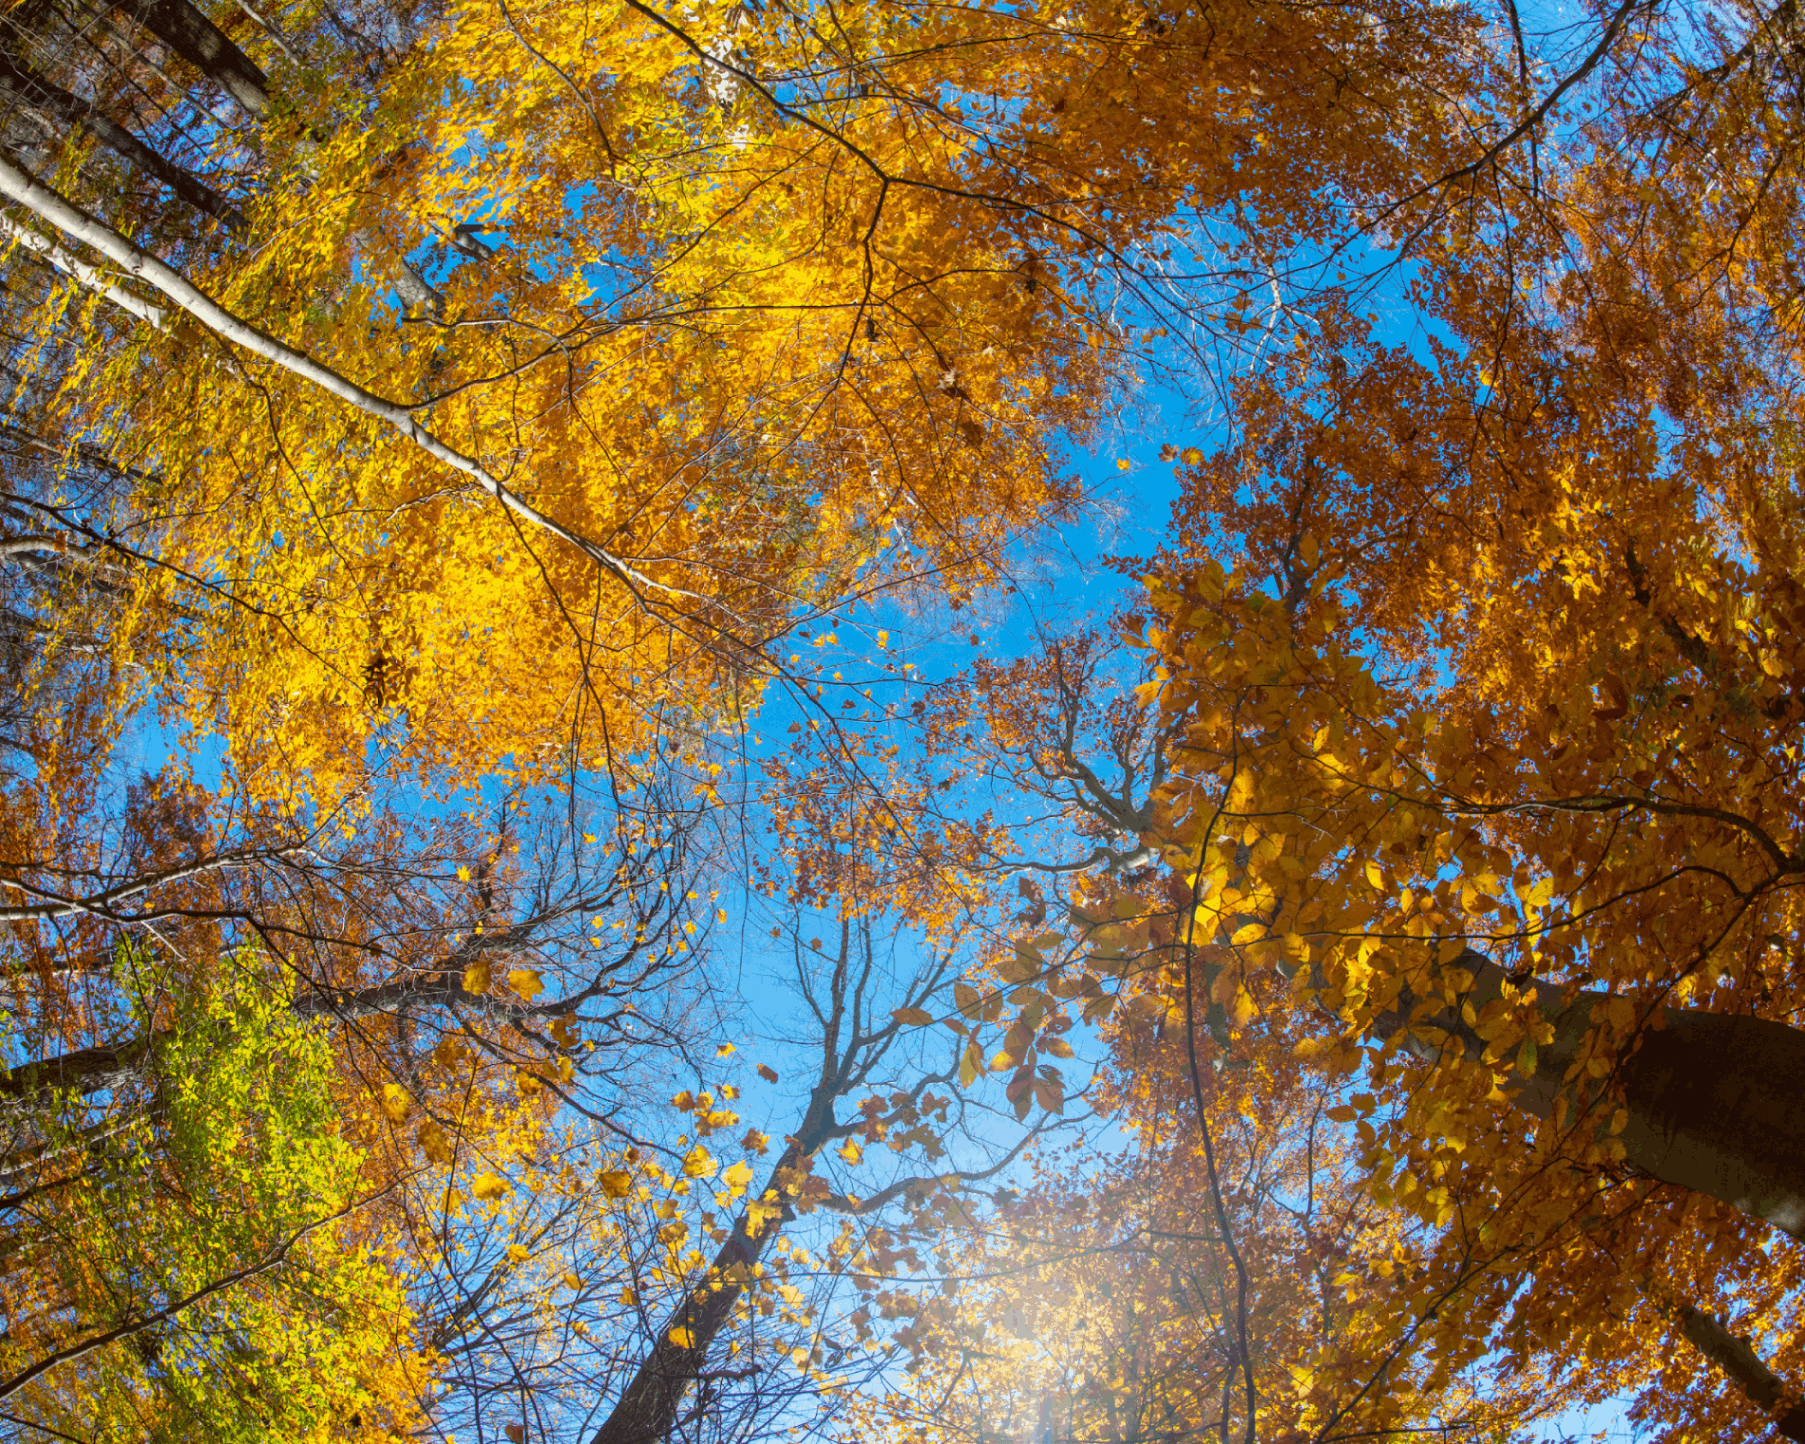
column 615, row 828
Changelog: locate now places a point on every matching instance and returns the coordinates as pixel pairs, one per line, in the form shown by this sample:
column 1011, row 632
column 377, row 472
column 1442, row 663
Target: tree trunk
column 86, row 1071
column 73, row 266
column 182, row 26
column 1737, row 1358
column 418, row 295
column 1716, row 1102
column 28, row 87
column 56, row 210
column 647, row 1410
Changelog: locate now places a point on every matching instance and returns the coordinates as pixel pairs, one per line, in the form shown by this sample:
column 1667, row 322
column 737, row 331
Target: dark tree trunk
column 1715, row 1101
column 28, row 87
column 182, row 26
column 86, row 1071
column 647, row 1410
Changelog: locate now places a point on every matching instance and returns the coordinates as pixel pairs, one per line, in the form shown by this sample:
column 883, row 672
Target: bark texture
column 647, row 1410
column 24, row 84
column 1716, row 1102
column 1737, row 1358
column 185, row 29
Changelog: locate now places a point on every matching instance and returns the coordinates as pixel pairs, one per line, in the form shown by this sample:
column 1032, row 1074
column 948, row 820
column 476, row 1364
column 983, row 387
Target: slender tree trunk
column 1736, row 1357
column 86, row 1071
column 271, row 29
column 27, row 86
column 418, row 294
column 647, row 1410
column 88, row 276
column 185, row 29
column 1715, row 1102
column 58, row 211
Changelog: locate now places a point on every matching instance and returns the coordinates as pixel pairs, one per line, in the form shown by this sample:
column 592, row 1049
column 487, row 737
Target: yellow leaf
column 463, row 874
column 682, row 1338
column 488, row 1186
column 699, row 1163
column 852, row 1153
column 571, row 1281
column 761, row 1211
column 396, row 1103
column 737, row 1176
column 616, row 1182
column 723, row 1050
column 476, row 976
column 525, row 981
column 518, row 1252
column 433, row 1142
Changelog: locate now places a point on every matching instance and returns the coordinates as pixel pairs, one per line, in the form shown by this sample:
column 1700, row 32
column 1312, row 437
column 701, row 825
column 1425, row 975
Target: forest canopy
column 983, row 724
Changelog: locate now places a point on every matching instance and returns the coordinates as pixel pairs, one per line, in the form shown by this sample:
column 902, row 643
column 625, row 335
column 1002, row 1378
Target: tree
column 1488, row 745
column 1274, row 813
column 450, row 997
column 728, row 326
column 1203, row 1278
column 186, row 1267
column 766, row 460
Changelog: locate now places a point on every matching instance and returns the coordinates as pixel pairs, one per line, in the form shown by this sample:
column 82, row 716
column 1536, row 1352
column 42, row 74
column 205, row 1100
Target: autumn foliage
column 521, row 918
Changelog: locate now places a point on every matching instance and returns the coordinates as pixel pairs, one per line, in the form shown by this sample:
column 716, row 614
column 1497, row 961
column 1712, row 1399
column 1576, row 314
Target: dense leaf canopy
column 526, row 918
